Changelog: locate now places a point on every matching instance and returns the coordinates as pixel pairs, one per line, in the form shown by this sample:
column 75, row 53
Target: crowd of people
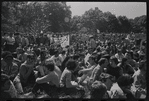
column 35, row 67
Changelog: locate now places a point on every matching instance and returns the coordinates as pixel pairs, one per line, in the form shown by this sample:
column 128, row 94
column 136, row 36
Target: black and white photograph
column 73, row 50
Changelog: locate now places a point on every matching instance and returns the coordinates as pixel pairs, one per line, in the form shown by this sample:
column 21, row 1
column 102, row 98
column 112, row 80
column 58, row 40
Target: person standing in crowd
column 41, row 39
column 8, row 66
column 62, row 55
column 38, row 40
column 10, row 43
column 36, row 49
column 23, row 41
column 4, row 41
column 46, row 42
column 27, row 40
column 31, row 39
column 17, row 39
column 92, row 43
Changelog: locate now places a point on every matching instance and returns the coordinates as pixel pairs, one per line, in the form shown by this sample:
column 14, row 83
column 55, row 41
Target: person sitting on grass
column 7, row 87
column 8, row 66
column 49, row 83
column 26, row 76
column 98, row 90
column 87, row 72
column 66, row 78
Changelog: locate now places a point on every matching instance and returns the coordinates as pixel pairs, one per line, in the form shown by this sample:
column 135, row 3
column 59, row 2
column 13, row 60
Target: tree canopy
column 34, row 17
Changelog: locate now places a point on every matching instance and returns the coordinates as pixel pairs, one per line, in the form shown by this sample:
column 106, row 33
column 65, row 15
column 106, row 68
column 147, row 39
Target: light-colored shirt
column 139, row 79
column 57, row 60
column 10, row 40
column 96, row 73
column 66, row 79
column 119, row 57
column 87, row 57
column 116, row 92
column 62, row 57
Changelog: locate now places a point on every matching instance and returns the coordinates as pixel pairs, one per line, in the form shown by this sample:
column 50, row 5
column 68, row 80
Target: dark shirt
column 127, row 69
column 117, row 71
column 37, row 52
column 52, row 51
column 38, row 40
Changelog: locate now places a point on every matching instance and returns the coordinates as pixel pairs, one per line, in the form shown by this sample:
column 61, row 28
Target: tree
column 32, row 17
column 125, row 26
column 112, row 22
column 139, row 24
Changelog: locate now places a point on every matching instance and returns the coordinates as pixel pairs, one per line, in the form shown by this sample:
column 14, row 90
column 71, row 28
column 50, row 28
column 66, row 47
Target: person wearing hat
column 36, row 49
column 8, row 66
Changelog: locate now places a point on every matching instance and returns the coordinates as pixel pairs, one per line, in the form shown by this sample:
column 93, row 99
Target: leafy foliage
column 34, row 17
